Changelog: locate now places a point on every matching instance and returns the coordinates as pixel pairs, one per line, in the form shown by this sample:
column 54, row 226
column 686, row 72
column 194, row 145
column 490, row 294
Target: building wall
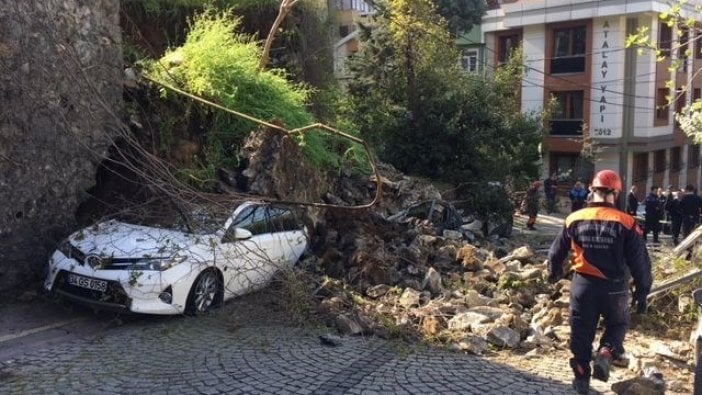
column 534, row 42
column 606, row 99
column 61, row 81
column 607, row 60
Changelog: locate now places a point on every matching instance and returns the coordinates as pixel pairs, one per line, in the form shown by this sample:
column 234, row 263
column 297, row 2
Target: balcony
column 495, row 4
column 567, row 127
column 568, row 64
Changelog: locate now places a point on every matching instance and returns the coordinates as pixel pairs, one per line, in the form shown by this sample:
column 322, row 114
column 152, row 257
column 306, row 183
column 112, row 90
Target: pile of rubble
column 487, row 296
column 441, row 276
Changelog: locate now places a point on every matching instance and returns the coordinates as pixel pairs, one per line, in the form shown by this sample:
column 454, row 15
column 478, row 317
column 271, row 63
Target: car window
column 253, row 219
column 282, row 219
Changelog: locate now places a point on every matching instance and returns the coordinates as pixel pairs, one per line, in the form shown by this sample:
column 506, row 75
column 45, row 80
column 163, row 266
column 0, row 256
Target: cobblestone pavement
column 244, row 350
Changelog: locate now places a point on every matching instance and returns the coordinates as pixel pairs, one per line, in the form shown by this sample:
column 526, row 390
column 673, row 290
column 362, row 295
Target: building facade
column 346, row 13
column 609, row 103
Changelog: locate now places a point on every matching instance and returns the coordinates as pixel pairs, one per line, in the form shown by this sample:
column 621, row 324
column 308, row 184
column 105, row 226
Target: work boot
column 603, row 361
column 620, row 361
column 581, row 382
column 581, row 385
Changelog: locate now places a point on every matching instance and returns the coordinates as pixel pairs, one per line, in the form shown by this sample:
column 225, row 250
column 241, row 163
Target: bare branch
column 285, row 7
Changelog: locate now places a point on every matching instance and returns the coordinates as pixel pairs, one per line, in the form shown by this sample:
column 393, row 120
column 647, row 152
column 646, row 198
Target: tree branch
column 285, row 8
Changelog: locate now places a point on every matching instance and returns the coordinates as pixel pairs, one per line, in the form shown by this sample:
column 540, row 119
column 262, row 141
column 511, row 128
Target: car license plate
column 85, row 282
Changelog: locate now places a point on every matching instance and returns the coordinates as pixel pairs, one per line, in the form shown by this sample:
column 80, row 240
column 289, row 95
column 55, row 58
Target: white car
column 118, row 266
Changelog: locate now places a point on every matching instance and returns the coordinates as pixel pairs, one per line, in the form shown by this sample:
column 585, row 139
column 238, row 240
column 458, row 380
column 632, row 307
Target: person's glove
column 551, row 278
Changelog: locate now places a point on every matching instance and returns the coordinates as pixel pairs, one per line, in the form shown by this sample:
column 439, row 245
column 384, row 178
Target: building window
column 683, row 47
column 469, row 60
column 564, row 165
column 696, row 94
column 693, row 156
column 569, row 46
column 659, row 161
column 698, row 44
column 568, row 116
column 505, row 45
column 675, row 159
column 665, row 38
column 662, row 107
column 355, row 5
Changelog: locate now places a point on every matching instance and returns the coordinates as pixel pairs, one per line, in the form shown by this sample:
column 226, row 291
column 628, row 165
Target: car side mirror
column 237, row 234
column 242, row 234
column 697, row 294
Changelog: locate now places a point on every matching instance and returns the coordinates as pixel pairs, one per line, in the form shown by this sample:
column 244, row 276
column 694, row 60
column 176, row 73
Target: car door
column 248, row 263
column 290, row 239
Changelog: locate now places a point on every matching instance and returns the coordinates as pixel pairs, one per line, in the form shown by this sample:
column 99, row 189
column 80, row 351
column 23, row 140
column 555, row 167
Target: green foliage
column 220, row 64
column 461, row 15
column 161, row 6
column 425, row 116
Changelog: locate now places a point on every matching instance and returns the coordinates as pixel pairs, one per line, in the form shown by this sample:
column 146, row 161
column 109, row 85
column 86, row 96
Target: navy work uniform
column 607, row 248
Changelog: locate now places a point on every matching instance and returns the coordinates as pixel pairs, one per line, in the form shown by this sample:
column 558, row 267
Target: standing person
column 690, row 207
column 632, row 202
column 606, row 247
column 551, row 190
column 532, row 204
column 654, row 213
column 578, row 197
column 672, row 207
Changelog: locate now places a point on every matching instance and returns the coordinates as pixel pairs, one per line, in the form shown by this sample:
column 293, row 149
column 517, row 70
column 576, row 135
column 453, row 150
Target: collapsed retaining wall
column 61, row 78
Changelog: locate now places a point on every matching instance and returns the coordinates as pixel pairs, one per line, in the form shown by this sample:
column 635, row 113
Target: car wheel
column 205, row 293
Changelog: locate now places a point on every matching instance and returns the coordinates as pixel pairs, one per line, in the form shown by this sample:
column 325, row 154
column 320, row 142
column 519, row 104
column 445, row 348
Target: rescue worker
column 533, row 198
column 607, row 249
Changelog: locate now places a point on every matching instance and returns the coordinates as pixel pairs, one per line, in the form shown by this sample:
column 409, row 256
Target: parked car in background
column 141, row 269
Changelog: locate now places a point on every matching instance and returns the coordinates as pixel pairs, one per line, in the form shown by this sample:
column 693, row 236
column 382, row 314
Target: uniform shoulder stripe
column 601, row 214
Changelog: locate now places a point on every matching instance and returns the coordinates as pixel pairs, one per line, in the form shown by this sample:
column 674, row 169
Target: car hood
column 119, row 239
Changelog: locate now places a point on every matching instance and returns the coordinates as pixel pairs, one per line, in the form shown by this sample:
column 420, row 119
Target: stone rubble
column 415, row 279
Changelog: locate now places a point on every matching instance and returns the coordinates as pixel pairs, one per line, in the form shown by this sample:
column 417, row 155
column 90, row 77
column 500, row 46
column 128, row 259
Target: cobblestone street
column 229, row 352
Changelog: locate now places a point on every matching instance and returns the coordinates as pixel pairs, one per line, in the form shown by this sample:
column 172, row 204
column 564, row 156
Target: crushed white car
column 118, row 266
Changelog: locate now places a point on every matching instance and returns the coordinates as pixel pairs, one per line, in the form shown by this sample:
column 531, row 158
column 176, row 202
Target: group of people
column 578, row 195
column 681, row 208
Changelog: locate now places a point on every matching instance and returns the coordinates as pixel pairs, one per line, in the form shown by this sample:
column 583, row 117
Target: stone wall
column 61, row 79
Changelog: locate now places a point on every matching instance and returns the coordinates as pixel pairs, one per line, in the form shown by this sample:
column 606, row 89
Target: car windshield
column 202, row 221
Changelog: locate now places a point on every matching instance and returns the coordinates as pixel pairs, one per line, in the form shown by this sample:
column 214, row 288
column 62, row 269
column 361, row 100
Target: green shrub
column 220, row 64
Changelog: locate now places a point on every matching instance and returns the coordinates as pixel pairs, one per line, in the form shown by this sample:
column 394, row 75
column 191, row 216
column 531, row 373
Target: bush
column 220, row 64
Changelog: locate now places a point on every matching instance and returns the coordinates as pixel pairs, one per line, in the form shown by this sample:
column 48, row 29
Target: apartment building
column 346, row 13
column 576, row 58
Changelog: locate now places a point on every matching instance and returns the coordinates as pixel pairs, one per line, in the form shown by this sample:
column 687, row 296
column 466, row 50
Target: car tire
column 205, row 294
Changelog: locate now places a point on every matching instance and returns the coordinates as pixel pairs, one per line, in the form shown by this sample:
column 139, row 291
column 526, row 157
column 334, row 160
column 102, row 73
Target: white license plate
column 85, row 282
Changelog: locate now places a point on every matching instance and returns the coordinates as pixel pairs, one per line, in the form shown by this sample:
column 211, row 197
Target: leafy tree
column 461, row 15
column 425, row 116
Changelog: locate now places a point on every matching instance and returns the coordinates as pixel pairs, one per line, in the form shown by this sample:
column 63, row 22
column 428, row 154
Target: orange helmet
column 608, row 179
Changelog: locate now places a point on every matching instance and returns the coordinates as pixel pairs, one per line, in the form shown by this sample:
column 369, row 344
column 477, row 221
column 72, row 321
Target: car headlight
column 157, row 263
